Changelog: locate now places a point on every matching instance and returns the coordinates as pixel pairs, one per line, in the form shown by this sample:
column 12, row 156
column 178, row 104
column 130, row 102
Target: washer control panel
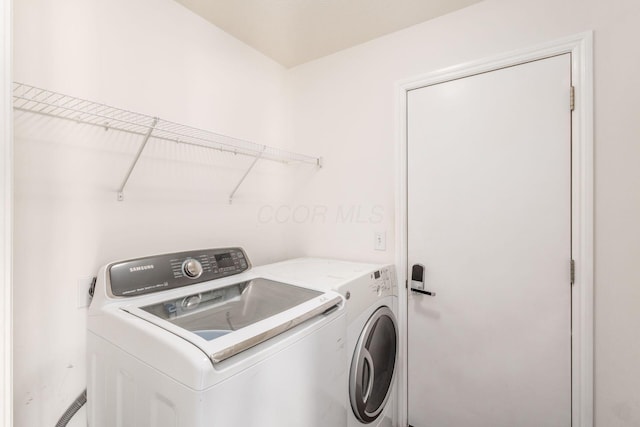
column 159, row 273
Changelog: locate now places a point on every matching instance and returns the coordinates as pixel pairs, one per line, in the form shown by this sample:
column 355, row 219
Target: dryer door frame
column 371, row 362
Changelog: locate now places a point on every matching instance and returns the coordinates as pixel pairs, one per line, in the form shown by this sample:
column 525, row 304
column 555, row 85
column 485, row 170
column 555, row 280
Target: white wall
column 343, row 107
column 155, row 57
column 6, row 213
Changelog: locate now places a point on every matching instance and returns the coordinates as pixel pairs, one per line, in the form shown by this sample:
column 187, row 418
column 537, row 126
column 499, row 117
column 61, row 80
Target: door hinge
column 573, row 272
column 572, row 98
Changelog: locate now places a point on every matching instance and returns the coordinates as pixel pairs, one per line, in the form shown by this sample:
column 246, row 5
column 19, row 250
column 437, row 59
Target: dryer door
column 373, row 365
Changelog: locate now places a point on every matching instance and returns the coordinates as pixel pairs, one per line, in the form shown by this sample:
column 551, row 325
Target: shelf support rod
column 245, row 174
column 135, row 160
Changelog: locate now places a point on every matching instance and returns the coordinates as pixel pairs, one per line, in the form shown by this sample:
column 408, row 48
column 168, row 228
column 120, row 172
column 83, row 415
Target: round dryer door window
column 373, row 365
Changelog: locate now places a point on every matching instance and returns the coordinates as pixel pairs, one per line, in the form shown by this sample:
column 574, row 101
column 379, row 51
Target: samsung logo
column 141, row 267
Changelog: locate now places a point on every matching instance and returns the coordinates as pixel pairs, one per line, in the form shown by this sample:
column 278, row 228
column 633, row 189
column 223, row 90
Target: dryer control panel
column 162, row 272
column 382, row 282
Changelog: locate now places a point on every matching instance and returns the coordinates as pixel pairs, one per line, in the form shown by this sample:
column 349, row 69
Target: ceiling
column 296, row 31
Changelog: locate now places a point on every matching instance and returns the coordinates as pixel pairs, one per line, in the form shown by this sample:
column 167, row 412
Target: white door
column 489, row 218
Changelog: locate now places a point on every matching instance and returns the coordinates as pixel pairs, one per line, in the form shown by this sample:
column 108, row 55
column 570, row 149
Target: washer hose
column 72, row 409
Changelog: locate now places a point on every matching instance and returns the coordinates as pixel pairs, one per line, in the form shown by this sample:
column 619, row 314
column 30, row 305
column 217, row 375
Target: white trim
column 6, row 215
column 581, row 48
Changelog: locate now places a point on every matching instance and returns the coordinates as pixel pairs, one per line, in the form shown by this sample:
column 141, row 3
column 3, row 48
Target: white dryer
column 198, row 338
column 370, row 292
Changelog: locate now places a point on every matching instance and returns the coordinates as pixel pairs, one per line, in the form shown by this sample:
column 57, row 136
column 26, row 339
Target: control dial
column 192, row 268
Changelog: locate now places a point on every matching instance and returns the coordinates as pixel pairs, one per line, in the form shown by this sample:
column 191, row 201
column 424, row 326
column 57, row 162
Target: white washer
column 196, row 339
column 371, row 297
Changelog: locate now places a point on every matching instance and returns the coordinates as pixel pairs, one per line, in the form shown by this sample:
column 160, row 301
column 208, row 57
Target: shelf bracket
column 245, row 174
column 135, row 160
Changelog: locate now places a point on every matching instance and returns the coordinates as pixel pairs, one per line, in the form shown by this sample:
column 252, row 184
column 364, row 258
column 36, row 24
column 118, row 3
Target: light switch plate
column 380, row 241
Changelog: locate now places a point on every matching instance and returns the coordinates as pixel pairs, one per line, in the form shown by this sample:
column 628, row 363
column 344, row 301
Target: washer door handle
column 366, row 357
column 191, row 302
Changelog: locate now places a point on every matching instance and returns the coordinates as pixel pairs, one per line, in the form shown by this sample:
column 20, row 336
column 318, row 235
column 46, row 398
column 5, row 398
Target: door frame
column 6, row 214
column 580, row 46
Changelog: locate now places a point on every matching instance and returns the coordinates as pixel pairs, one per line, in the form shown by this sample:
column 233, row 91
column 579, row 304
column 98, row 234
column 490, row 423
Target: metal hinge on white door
column 572, row 98
column 573, row 272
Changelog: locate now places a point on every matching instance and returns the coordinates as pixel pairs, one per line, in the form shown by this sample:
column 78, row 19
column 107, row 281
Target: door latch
column 417, row 280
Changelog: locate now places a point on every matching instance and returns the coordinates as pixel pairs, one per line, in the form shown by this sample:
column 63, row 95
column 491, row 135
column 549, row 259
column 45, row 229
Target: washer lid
column 225, row 321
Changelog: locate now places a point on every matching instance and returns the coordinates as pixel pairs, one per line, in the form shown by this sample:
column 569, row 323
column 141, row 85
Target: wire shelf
column 41, row 101
column 53, row 104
